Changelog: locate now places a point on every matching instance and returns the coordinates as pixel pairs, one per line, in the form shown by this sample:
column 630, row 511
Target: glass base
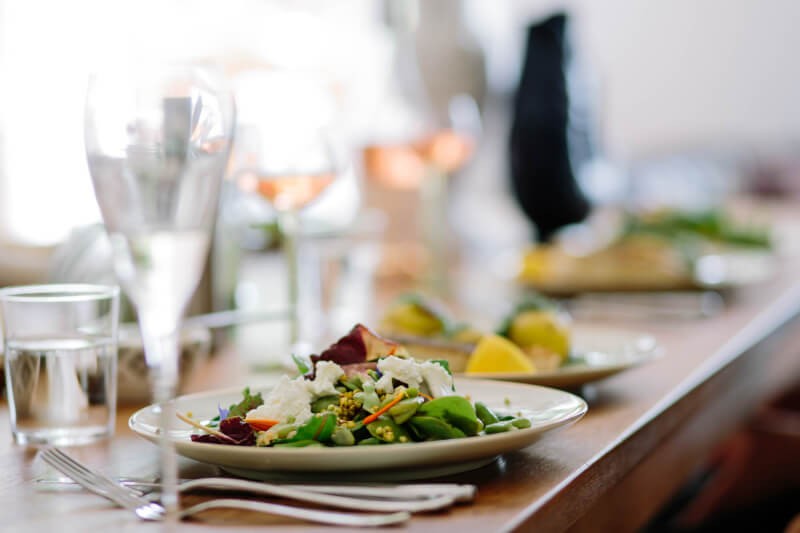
column 72, row 436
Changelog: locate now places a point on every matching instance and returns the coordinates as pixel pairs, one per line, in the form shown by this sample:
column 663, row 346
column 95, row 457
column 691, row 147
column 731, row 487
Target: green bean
column 499, row 427
column 403, row 410
column 386, row 430
column 485, row 414
column 284, row 430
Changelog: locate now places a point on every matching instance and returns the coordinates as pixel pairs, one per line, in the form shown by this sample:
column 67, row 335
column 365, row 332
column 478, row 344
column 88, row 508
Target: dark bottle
column 542, row 176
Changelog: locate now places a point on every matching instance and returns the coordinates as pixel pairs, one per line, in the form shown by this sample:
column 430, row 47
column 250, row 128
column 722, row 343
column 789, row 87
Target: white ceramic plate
column 547, row 409
column 599, row 352
column 729, row 269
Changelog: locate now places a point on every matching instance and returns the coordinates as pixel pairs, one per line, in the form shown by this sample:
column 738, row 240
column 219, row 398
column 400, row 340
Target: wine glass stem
column 289, row 222
column 435, row 227
column 162, row 349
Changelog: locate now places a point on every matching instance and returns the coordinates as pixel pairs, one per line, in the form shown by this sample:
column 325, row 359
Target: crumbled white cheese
column 414, row 374
column 384, row 384
column 293, row 397
column 289, row 398
column 324, row 382
column 438, row 380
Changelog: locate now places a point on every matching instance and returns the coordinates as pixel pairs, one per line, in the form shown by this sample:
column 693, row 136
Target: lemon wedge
column 545, row 329
column 498, row 354
column 411, row 319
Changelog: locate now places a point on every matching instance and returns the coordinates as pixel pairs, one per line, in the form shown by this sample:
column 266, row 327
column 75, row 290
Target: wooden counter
column 646, row 431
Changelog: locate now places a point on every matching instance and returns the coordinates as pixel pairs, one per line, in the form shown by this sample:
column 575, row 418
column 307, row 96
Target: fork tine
column 121, row 499
column 71, row 460
column 89, row 472
column 71, row 469
column 94, row 482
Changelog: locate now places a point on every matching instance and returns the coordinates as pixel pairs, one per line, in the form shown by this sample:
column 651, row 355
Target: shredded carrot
column 426, row 396
column 260, row 424
column 374, row 416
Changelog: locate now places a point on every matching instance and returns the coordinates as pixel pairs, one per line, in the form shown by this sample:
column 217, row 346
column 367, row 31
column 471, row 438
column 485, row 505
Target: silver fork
column 147, row 510
column 437, row 497
column 379, row 491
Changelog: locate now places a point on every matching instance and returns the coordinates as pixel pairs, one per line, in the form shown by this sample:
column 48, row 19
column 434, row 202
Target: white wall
column 671, row 75
column 687, row 73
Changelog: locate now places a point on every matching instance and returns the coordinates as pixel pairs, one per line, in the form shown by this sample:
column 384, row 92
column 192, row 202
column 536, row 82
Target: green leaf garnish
column 302, row 366
column 443, row 363
column 248, row 403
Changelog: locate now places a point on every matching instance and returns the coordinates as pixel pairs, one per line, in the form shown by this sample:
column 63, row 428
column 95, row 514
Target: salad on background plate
column 663, row 249
column 536, row 342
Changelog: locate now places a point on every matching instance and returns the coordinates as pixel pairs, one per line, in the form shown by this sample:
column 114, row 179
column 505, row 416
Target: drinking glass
column 157, row 143
column 417, row 147
column 285, row 153
column 60, row 362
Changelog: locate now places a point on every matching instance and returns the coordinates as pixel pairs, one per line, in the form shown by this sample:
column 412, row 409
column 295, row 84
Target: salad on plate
column 363, row 390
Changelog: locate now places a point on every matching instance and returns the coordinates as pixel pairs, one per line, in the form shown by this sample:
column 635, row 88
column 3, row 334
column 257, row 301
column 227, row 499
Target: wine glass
column 286, row 153
column 157, row 143
column 417, row 146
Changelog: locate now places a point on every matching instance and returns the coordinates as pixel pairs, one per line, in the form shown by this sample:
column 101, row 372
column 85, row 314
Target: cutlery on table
column 410, row 497
column 147, row 510
column 411, row 491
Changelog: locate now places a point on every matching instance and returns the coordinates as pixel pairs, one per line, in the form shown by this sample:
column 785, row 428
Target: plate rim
column 581, row 369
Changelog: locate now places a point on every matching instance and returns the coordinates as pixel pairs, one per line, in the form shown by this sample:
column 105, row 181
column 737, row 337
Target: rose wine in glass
column 285, row 154
column 157, row 143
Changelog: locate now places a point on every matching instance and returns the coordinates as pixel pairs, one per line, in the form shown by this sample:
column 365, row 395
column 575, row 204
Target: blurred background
column 449, row 138
column 442, row 148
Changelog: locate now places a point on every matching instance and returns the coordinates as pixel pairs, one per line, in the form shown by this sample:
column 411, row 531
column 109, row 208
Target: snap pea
column 389, row 398
column 403, row 410
column 285, row 429
column 356, row 381
column 386, row 430
column 370, row 441
column 368, row 397
column 343, row 437
column 412, row 392
column 321, row 404
column 485, row 414
column 505, row 418
column 521, row 423
column 499, row 427
column 300, row 444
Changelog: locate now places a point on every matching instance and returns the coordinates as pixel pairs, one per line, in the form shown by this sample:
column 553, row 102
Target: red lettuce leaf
column 238, row 430
column 347, row 350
